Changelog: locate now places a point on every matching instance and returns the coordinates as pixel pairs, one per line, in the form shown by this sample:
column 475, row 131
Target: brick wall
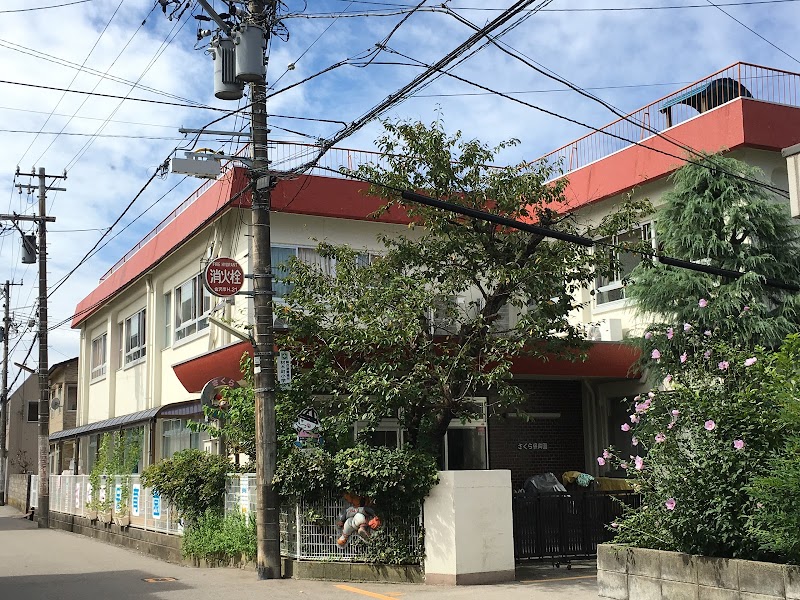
column 18, row 491
column 517, row 444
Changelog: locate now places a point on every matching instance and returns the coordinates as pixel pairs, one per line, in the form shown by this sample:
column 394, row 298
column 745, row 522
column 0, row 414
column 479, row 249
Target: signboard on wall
column 156, row 506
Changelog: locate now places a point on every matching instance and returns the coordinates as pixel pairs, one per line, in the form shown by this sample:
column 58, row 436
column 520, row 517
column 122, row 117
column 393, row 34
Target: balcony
column 740, row 80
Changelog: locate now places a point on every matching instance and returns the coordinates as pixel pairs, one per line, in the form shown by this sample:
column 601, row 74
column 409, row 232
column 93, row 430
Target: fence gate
column 559, row 525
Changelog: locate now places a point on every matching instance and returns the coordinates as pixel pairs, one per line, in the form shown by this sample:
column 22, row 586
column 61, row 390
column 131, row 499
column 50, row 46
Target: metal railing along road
column 738, row 80
column 309, row 531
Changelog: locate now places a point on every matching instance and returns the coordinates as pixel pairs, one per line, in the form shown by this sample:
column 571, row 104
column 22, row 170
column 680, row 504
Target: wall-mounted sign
column 532, row 446
column 284, row 368
column 156, row 506
column 306, row 426
column 136, row 493
column 223, row 277
column 210, row 396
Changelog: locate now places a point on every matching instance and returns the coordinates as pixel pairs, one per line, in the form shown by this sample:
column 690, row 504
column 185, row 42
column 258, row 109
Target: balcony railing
column 738, row 80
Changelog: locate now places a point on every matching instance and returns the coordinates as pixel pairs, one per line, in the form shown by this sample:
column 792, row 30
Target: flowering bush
column 703, row 437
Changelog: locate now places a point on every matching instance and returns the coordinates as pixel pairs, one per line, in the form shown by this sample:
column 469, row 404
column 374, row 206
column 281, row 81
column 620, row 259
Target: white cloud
column 593, row 49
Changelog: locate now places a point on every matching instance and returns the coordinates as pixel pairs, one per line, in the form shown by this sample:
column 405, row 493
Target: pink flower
column 707, row 333
column 636, row 398
column 684, row 357
column 671, row 425
column 723, row 365
column 670, row 333
column 634, row 418
column 606, row 454
column 651, row 395
column 660, row 437
column 614, row 525
column 668, row 378
column 750, row 361
column 623, row 465
column 738, row 444
column 707, row 354
column 639, row 463
column 634, row 441
column 702, row 303
column 675, row 412
column 655, row 354
column 710, row 425
column 670, row 503
column 746, row 308
column 625, row 427
column 648, row 335
column 601, row 461
column 687, row 327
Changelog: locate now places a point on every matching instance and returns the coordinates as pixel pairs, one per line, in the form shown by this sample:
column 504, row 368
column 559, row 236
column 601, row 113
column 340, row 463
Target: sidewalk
column 40, row 564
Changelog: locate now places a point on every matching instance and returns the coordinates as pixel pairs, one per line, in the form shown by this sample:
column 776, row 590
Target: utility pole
column 267, row 527
column 4, row 392
column 43, row 510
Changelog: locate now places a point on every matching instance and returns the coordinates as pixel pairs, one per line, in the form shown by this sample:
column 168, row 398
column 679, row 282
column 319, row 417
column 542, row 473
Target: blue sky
column 627, row 57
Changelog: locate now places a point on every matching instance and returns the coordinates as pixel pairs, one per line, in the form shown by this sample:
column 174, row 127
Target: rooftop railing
column 738, row 80
column 283, row 156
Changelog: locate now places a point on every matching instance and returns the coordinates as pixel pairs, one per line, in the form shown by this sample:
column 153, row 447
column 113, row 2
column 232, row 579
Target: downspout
column 590, row 425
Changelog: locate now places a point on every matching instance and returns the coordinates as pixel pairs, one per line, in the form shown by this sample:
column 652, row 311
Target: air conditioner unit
column 611, row 330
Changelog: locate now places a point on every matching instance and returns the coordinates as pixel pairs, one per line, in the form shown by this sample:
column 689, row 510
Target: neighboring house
column 23, row 427
column 148, row 346
column 63, row 379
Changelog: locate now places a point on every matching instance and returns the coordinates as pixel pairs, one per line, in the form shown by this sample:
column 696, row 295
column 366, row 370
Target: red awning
column 604, row 359
column 195, row 372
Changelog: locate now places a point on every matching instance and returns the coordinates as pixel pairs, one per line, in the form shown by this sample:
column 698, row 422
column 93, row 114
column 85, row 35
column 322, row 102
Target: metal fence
column 738, row 80
column 70, row 494
column 558, row 525
column 309, row 531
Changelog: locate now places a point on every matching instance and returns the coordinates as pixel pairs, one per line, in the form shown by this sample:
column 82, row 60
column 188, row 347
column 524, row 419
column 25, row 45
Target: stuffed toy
column 358, row 518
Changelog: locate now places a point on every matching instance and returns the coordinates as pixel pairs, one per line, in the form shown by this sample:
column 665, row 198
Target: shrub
column 213, row 536
column 306, row 473
column 703, row 437
column 192, row 480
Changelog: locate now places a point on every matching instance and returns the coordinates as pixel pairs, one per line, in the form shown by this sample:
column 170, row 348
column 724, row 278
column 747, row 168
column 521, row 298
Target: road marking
column 347, row 588
column 557, row 579
column 159, row 579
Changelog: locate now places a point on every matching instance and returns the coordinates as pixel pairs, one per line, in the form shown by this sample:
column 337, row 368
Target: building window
column 176, row 436
column 33, row 412
column 99, row 356
column 167, row 319
column 610, row 289
column 135, row 337
column 72, row 397
column 192, row 307
column 281, row 255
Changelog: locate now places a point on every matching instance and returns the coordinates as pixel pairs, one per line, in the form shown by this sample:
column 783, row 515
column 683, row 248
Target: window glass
column 99, row 356
column 33, row 412
column 192, row 305
column 280, row 263
column 167, row 319
column 609, row 289
column 135, row 337
column 72, row 397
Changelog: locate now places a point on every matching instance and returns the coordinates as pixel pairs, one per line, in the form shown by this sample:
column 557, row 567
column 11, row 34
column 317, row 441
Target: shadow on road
column 16, row 524
column 120, row 585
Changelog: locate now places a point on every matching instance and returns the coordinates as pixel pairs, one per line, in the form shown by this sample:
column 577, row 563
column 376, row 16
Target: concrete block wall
column 640, row 574
column 18, row 487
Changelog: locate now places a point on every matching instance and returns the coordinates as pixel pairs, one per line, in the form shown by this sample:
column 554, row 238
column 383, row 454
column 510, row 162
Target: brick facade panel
column 517, row 444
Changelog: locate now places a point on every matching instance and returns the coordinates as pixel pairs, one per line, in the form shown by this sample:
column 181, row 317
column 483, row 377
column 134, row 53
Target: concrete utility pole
column 43, row 510
column 4, row 393
column 267, row 526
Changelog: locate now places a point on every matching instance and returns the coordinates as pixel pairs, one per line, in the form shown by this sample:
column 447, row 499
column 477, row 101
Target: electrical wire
column 41, row 112
column 91, row 135
column 19, row 10
column 592, row 9
column 753, row 31
column 97, row 41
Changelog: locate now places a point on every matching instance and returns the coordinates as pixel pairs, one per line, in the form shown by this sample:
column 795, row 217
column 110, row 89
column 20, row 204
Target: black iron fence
column 559, row 525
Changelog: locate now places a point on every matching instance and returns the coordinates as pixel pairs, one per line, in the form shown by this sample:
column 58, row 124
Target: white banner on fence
column 117, row 497
column 78, row 494
column 244, row 496
column 136, row 492
column 156, row 506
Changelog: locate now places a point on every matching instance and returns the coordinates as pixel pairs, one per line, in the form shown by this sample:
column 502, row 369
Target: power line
column 92, row 135
column 753, row 31
column 19, row 10
column 592, row 9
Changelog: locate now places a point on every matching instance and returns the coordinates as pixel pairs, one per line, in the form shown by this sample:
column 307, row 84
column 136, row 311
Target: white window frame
column 199, row 309
column 439, row 324
column 99, row 357
column 647, row 233
column 136, row 348
column 167, row 304
column 296, row 249
column 66, row 398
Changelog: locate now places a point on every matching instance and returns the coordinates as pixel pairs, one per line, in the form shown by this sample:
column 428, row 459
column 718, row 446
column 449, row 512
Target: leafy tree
column 387, row 337
column 717, row 215
column 234, row 420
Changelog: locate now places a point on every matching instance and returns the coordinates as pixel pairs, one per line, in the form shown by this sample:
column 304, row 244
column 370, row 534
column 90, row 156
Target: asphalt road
column 41, row 564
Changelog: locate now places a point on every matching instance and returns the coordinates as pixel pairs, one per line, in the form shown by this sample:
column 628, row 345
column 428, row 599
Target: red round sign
column 223, row 277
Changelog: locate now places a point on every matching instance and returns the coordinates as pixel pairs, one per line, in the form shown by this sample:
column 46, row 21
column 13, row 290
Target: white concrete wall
column 469, row 531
